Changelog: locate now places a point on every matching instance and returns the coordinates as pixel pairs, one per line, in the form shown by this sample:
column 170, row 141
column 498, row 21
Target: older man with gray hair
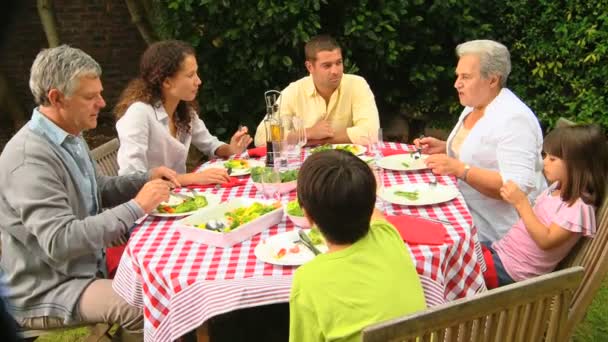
column 52, row 225
column 497, row 138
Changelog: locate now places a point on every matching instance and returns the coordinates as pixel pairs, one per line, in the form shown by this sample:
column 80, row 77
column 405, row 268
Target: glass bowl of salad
column 288, row 179
column 296, row 214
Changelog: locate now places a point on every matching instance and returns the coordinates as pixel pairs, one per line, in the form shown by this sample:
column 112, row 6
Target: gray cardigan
column 49, row 242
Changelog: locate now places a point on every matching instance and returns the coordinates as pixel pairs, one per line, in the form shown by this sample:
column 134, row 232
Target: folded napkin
column 232, row 183
column 416, row 230
column 387, row 151
column 257, row 152
column 113, row 255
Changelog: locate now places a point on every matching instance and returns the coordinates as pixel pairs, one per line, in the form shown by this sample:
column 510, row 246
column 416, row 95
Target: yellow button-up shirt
column 351, row 107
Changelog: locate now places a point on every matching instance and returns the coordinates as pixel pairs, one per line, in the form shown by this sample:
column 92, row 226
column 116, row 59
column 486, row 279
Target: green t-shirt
column 336, row 295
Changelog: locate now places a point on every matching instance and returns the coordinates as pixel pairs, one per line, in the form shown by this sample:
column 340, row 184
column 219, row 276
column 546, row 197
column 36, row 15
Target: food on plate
column 182, row 204
column 315, row 236
column 239, row 216
column 405, row 164
column 286, row 176
column 410, row 195
column 293, row 208
column 236, row 164
column 326, row 147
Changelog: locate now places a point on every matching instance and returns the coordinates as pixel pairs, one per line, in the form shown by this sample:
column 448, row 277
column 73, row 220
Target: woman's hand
column 212, row 175
column 430, row 145
column 441, row 164
column 511, row 193
column 240, row 140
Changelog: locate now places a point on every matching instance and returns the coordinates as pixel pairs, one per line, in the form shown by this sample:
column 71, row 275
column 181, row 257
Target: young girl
column 157, row 119
column 576, row 166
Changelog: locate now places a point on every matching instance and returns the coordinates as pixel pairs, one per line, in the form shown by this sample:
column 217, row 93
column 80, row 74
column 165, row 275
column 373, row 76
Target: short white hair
column 494, row 58
column 60, row 68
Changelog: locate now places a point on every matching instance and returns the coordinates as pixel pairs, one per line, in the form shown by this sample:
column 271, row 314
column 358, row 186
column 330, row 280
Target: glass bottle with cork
column 272, row 124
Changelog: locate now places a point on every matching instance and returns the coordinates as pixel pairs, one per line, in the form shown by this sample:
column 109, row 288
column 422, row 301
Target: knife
column 308, row 243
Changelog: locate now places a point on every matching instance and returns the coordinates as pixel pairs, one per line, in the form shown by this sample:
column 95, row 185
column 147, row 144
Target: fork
column 228, row 171
column 433, row 182
column 305, row 240
column 418, row 153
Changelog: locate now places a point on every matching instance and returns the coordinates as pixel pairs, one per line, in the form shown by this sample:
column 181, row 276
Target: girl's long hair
column 160, row 61
column 584, row 150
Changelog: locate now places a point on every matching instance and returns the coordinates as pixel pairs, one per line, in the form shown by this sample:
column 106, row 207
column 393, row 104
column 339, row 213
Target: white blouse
column 506, row 139
column 146, row 142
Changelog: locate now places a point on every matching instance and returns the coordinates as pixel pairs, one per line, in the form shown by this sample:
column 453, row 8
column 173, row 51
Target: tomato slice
column 281, row 253
column 295, row 249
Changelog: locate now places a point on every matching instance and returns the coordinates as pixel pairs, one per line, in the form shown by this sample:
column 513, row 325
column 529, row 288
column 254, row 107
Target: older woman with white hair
column 497, row 138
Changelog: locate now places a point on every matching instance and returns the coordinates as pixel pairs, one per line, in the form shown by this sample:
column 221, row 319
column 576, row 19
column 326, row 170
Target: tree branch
column 141, row 22
column 48, row 19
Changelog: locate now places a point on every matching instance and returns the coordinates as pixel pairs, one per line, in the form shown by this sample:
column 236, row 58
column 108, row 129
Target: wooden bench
column 532, row 310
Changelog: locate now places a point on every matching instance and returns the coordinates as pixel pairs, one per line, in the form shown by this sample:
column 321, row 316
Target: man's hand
column 240, row 140
column 511, row 193
column 321, row 130
column 165, row 173
column 441, row 164
column 430, row 145
column 152, row 194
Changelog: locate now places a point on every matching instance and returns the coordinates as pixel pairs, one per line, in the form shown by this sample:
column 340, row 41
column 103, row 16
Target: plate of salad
column 285, row 248
column 403, row 162
column 231, row 222
column 419, row 194
column 237, row 167
column 185, row 204
column 352, row 148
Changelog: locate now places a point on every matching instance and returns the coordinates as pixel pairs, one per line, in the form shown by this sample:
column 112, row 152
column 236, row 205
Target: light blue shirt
column 74, row 153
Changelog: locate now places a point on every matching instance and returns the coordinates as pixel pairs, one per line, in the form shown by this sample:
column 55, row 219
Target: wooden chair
column 592, row 254
column 105, row 157
column 531, row 310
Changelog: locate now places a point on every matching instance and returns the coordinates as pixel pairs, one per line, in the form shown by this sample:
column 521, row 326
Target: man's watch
column 467, row 167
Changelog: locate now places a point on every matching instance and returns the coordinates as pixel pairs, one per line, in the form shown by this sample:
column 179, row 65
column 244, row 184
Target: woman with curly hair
column 157, row 117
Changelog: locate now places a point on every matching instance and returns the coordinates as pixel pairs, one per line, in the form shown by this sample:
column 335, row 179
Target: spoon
column 215, row 225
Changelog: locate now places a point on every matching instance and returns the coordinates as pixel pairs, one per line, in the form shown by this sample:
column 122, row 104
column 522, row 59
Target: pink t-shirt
column 520, row 255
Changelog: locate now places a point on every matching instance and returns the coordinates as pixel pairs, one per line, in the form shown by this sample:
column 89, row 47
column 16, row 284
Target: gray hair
column 60, row 68
column 494, row 58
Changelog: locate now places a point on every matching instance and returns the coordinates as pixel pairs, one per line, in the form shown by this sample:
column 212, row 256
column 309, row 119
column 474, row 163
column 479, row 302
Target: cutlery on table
column 431, row 219
column 305, row 240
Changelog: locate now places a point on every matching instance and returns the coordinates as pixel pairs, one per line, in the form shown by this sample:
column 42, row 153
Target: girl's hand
column 430, row 145
column 240, row 140
column 441, row 164
column 511, row 193
column 212, row 175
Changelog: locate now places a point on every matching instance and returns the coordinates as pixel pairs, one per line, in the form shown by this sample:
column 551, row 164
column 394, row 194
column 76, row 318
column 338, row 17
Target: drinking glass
column 298, row 124
column 291, row 147
column 270, row 178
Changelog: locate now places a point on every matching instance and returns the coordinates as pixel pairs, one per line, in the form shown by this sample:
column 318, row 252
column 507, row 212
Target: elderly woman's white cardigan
column 507, row 139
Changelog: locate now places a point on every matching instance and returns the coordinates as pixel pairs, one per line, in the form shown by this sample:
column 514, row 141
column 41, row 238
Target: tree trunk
column 46, row 12
column 140, row 20
column 8, row 101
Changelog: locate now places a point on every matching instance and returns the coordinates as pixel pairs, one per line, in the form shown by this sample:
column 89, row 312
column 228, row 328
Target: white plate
column 426, row 194
column 403, row 162
column 359, row 149
column 367, row 159
column 187, row 228
column 212, row 200
column 235, row 172
column 267, row 250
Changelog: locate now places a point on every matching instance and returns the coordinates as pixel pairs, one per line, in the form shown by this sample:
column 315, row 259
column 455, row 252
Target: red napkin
column 113, row 255
column 387, row 151
column 233, row 182
column 257, row 152
column 490, row 275
column 417, row 230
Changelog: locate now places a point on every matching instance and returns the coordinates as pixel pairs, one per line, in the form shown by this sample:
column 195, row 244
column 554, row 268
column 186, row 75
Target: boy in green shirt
column 367, row 276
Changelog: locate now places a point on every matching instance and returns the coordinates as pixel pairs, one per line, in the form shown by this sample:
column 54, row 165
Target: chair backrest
column 523, row 311
column 592, row 254
column 105, row 157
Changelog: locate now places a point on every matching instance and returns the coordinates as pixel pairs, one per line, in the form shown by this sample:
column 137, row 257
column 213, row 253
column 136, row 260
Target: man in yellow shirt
column 335, row 107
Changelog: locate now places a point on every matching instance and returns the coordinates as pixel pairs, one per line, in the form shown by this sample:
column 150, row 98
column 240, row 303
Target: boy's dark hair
column 338, row 191
column 584, row 150
column 319, row 43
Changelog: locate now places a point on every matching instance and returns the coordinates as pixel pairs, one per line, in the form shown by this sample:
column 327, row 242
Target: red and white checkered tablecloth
column 181, row 284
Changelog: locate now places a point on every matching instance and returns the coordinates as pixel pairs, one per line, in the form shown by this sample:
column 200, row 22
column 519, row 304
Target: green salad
column 316, row 237
column 187, row 205
column 293, row 208
column 236, row 164
column 326, row 147
column 286, row 176
column 410, row 195
column 240, row 216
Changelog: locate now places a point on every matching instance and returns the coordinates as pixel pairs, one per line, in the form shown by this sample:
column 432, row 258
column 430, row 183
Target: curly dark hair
column 160, row 60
